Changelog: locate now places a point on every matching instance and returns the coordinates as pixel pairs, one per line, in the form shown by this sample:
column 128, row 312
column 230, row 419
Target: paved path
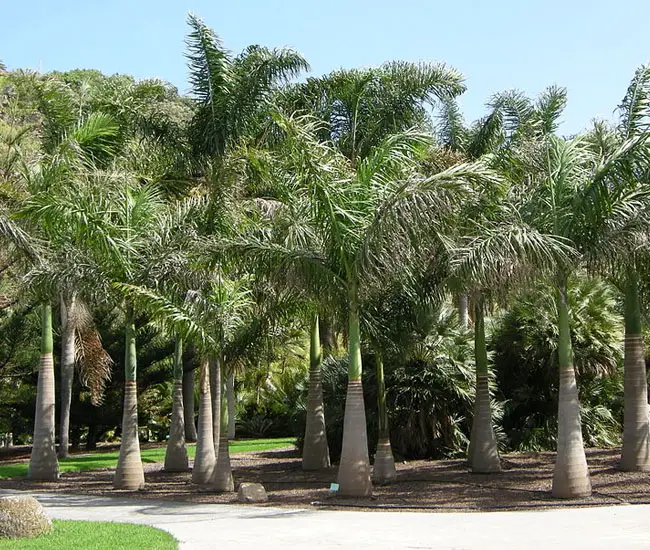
column 208, row 526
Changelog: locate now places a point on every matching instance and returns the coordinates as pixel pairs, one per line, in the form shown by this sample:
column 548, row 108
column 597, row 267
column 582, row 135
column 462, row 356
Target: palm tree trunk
column 571, row 474
column 43, row 464
column 230, row 396
column 222, row 480
column 204, row 457
column 354, row 468
column 463, row 310
column 384, row 468
column 315, row 452
column 215, row 388
column 635, row 455
column 188, row 406
column 176, row 453
column 67, row 373
column 129, row 473
column 483, row 453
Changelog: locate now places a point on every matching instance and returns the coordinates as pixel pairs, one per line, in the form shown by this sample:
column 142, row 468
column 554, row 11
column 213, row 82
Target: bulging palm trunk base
column 176, row 453
column 483, row 452
column 129, row 473
column 383, row 471
column 354, row 469
column 635, row 455
column 43, row 463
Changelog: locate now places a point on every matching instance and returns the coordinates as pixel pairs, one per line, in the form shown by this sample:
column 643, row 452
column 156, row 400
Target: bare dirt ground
column 444, row 485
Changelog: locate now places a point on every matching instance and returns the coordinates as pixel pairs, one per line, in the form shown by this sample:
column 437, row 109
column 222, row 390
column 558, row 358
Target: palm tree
column 351, row 209
column 569, row 197
column 627, row 177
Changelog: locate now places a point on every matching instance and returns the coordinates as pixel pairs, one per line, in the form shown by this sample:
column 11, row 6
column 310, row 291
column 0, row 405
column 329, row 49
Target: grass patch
column 97, row 461
column 83, row 535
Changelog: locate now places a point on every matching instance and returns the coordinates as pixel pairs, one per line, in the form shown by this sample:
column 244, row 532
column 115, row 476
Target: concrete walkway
column 208, row 526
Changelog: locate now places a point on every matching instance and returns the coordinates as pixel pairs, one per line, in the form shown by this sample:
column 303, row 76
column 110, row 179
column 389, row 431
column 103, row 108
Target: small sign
column 334, row 487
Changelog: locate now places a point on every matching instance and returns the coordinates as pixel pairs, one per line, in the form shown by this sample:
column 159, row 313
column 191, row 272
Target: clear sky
column 590, row 46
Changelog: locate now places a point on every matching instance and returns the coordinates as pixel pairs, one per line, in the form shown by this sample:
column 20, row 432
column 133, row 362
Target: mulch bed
column 444, row 485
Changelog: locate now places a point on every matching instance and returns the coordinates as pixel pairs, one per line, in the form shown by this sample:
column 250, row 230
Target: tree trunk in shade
column 176, row 453
column 383, row 471
column 483, row 452
column 354, row 468
column 571, row 474
column 230, row 396
column 315, row 452
column 222, row 480
column 67, row 373
column 463, row 310
column 635, row 455
column 204, row 458
column 215, row 388
column 130, row 473
column 188, row 405
column 43, row 464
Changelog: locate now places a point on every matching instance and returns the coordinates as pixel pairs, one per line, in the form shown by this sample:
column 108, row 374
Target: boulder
column 22, row 517
column 252, row 492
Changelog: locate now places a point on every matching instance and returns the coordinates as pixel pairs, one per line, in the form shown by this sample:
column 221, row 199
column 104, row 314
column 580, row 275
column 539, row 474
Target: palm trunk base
column 354, row 469
column 129, row 473
column 383, row 471
column 43, row 464
column 483, row 453
column 204, row 460
column 635, row 455
column 176, row 453
column 315, row 451
column 571, row 480
column 222, row 480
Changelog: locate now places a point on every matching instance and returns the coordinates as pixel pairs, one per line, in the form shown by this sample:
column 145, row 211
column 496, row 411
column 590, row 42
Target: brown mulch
column 443, row 485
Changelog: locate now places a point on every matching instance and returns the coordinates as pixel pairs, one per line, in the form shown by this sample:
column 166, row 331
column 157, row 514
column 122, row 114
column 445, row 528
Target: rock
column 22, row 517
column 252, row 492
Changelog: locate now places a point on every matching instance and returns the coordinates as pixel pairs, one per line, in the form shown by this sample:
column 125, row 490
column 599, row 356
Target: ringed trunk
column 188, row 405
column 43, row 464
column 384, row 467
column 571, row 474
column 354, row 468
column 315, row 452
column 204, row 458
column 230, row 396
column 222, row 480
column 635, row 455
column 129, row 473
column 483, row 453
column 67, row 373
column 176, row 453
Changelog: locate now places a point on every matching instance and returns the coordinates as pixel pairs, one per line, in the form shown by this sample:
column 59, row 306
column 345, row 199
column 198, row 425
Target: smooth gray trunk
column 315, row 452
column 204, row 459
column 571, row 474
column 188, row 406
column 222, row 480
column 129, row 473
column 230, row 396
column 67, row 373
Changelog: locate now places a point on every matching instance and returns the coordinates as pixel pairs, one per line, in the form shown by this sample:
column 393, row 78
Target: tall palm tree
column 176, row 453
column 569, row 197
column 351, row 209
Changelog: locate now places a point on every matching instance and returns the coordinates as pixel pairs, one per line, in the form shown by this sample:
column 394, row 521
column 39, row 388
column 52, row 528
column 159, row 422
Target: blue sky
column 590, row 46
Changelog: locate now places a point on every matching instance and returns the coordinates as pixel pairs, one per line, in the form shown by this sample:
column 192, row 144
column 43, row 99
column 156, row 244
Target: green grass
column 98, row 460
column 85, row 535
